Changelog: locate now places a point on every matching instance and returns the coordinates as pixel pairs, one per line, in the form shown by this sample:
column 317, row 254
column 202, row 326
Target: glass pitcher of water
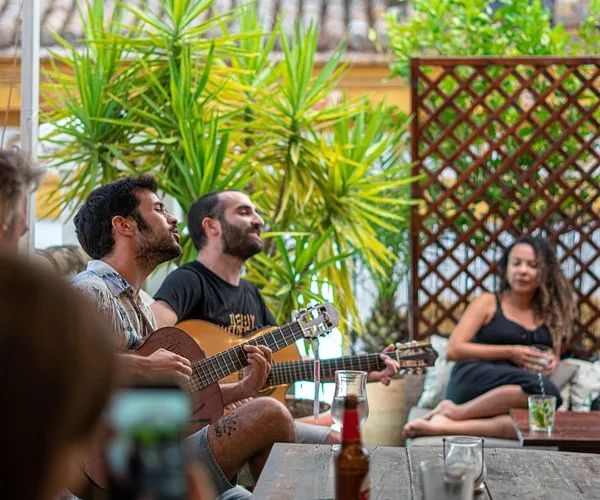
column 466, row 452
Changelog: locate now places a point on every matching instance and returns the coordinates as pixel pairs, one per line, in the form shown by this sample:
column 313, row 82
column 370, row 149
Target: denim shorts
column 311, row 434
column 200, row 451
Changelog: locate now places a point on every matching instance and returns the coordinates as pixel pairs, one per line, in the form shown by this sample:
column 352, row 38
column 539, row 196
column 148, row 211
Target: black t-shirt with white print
column 195, row 292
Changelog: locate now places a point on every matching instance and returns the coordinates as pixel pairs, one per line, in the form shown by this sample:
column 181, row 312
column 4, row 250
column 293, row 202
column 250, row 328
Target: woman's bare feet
column 440, row 425
column 436, row 425
column 447, row 408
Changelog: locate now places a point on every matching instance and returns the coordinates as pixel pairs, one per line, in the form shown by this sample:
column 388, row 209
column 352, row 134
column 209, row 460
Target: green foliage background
column 205, row 108
column 443, row 28
column 517, row 28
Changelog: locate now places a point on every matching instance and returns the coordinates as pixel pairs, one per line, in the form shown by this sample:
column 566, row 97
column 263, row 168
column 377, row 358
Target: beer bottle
column 352, row 461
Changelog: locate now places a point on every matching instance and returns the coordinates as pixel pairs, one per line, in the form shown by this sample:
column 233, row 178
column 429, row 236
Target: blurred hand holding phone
column 145, row 455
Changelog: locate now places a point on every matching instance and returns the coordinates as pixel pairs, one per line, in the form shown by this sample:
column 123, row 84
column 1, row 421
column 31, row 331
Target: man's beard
column 153, row 250
column 238, row 243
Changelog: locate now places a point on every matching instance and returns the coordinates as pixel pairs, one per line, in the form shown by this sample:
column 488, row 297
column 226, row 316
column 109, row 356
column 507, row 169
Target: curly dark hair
column 553, row 302
column 93, row 222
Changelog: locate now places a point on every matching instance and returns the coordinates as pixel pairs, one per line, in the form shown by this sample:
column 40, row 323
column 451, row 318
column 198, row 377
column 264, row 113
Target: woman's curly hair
column 553, row 302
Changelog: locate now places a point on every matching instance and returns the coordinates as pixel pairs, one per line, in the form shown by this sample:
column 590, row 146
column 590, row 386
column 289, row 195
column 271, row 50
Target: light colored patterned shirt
column 131, row 316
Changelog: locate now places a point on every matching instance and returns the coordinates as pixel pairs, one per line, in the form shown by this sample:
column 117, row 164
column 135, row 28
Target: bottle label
column 350, row 428
column 365, row 488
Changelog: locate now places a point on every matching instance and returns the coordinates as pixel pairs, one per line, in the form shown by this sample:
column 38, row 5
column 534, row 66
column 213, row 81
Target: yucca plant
column 83, row 108
column 206, row 107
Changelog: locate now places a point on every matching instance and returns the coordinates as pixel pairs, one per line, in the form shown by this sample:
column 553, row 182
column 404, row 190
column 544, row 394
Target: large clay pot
column 387, row 414
column 388, row 410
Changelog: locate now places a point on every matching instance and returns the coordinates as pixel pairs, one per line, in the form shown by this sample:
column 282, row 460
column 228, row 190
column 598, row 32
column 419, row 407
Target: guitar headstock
column 317, row 320
column 414, row 357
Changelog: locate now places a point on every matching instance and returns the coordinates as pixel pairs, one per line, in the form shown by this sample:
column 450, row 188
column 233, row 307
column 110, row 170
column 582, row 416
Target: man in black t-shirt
column 195, row 292
column 226, row 228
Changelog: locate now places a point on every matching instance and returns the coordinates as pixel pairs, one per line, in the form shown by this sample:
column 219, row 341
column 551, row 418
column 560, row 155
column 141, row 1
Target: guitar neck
column 292, row 371
column 210, row 370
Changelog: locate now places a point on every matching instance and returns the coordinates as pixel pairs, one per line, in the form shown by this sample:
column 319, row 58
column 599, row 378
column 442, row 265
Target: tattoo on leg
column 226, row 425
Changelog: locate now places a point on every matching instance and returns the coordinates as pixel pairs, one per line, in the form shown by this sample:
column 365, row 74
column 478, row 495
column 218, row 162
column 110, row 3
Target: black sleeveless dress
column 472, row 377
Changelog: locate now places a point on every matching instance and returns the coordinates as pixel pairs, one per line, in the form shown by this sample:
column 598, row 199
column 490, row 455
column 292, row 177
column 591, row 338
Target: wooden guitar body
column 203, row 386
column 215, row 340
column 207, row 403
column 288, row 367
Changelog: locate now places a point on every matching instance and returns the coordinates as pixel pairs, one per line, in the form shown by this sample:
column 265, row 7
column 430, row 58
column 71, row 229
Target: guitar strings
column 285, row 371
column 209, row 370
column 218, row 363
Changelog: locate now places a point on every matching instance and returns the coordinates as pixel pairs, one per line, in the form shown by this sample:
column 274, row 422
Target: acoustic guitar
column 205, row 394
column 288, row 366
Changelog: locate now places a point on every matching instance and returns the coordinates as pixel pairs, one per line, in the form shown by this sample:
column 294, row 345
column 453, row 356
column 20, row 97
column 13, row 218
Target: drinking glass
column 349, row 383
column 466, row 452
column 546, row 350
column 542, row 410
column 445, row 483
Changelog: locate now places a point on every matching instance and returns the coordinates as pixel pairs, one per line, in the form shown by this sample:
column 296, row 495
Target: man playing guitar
column 226, row 229
column 125, row 227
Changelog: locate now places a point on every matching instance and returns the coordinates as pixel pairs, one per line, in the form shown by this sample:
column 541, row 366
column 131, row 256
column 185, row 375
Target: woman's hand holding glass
column 547, row 360
column 534, row 359
column 524, row 356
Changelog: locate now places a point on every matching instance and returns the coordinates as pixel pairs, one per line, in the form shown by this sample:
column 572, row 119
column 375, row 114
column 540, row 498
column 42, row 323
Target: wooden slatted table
column 573, row 431
column 305, row 472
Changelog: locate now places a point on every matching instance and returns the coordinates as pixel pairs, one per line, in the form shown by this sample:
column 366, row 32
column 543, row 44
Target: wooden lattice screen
column 508, row 146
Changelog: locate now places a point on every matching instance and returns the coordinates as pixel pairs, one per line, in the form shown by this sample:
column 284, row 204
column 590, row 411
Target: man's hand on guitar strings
column 167, row 365
column 259, row 367
column 391, row 368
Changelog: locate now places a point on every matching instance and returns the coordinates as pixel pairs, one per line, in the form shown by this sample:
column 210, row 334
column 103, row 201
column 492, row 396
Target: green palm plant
column 206, row 113
column 83, row 109
column 292, row 273
column 294, row 124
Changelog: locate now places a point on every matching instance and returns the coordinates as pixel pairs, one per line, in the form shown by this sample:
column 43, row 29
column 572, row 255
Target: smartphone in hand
column 145, row 455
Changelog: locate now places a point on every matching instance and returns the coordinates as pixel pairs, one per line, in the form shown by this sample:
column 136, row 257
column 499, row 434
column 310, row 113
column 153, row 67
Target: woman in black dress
column 494, row 346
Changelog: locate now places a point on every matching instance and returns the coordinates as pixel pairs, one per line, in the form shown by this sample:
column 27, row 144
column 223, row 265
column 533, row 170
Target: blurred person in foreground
column 18, row 177
column 57, row 371
column 58, row 368
column 48, row 333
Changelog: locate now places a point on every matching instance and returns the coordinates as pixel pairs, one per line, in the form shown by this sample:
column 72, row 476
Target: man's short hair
column 17, row 176
column 93, row 222
column 210, row 205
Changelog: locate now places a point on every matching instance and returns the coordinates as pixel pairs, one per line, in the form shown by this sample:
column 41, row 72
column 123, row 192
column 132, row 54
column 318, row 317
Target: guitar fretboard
column 288, row 372
column 291, row 371
column 209, row 370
